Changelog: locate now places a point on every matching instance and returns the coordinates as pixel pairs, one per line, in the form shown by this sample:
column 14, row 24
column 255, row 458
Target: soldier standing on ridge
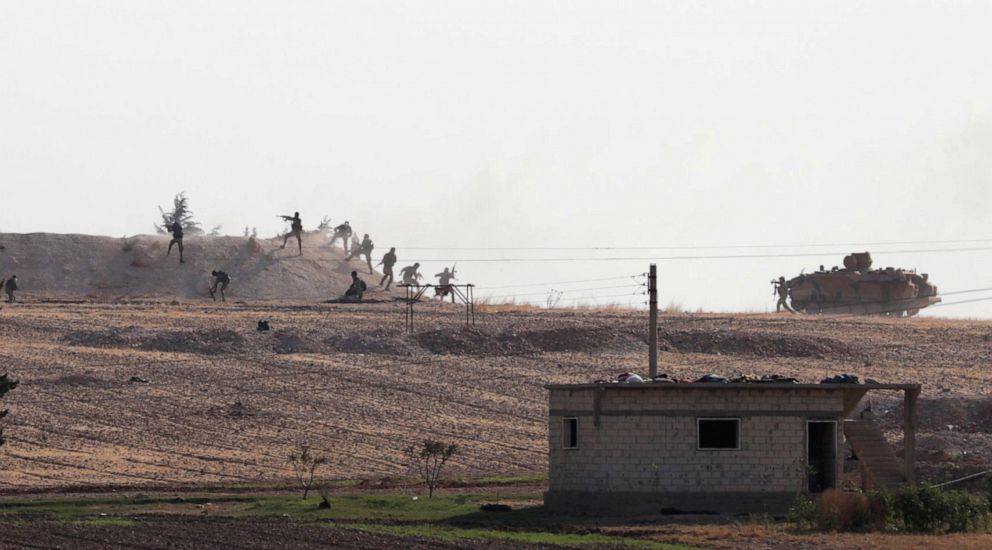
column 219, row 279
column 177, row 238
column 387, row 263
column 342, row 232
column 410, row 276
column 295, row 230
column 9, row 286
column 782, row 289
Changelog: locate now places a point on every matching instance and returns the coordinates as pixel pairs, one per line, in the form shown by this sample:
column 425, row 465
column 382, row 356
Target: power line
column 545, row 293
column 697, row 257
column 563, row 282
column 695, row 247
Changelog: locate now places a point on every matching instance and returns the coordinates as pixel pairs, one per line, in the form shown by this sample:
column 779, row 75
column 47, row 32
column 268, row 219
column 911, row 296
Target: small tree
column 180, row 212
column 427, row 460
column 215, row 232
column 305, row 464
column 6, row 384
column 325, row 224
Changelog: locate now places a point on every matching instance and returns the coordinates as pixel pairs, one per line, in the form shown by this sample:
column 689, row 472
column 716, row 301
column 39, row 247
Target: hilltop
column 107, row 268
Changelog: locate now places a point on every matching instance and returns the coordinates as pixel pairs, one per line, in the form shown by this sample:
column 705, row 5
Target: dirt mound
column 84, row 379
column 376, row 342
column 953, row 413
column 203, row 341
column 96, row 267
column 732, row 342
column 294, row 341
column 233, row 410
column 474, row 341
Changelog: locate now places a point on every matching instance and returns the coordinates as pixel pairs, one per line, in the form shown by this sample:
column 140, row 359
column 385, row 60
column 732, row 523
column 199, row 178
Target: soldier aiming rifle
column 295, row 230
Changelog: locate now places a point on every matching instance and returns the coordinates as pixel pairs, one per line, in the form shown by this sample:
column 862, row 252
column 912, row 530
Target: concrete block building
column 710, row 447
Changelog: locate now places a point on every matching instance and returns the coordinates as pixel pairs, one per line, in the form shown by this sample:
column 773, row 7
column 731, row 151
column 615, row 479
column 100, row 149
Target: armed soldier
column 342, row 232
column 220, row 279
column 410, row 276
column 387, row 263
column 365, row 247
column 782, row 289
column 9, row 286
column 295, row 230
column 356, row 290
column 177, row 238
column 443, row 287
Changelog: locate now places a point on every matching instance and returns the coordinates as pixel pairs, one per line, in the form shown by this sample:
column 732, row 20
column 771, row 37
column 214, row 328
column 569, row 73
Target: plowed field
column 190, row 394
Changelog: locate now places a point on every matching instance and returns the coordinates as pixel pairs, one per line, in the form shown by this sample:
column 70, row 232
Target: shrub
column 6, row 384
column 842, row 511
column 928, row 509
column 803, row 511
column 837, row 510
column 305, row 464
column 428, row 459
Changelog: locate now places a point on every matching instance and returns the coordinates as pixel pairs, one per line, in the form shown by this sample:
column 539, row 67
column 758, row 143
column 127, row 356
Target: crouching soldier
column 219, row 283
column 356, row 290
column 9, row 286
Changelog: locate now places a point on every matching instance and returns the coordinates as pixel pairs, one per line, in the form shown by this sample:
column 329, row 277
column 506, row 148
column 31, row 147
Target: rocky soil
column 189, row 393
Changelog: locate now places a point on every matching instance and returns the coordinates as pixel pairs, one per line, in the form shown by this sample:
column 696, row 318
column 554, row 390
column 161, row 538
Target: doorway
column 821, row 455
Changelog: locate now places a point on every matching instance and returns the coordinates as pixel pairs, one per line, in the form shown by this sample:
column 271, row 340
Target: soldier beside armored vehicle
column 858, row 289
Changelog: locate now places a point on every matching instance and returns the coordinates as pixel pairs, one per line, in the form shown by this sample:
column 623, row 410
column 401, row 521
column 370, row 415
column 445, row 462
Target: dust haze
column 472, row 124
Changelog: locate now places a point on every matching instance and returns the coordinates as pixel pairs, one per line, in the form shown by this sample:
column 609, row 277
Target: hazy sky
column 484, row 124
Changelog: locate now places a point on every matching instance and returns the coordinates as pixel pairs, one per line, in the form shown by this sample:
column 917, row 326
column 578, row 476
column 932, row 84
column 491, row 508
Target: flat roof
column 731, row 386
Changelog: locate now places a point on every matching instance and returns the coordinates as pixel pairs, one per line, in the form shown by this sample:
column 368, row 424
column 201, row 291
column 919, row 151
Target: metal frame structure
column 464, row 293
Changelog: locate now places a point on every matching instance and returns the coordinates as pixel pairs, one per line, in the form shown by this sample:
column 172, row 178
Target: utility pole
column 653, row 320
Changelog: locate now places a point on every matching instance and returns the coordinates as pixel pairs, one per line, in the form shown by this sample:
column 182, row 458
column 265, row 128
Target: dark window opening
column 719, row 433
column 571, row 433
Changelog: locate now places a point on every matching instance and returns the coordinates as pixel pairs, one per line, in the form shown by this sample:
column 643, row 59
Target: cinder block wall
column 644, row 447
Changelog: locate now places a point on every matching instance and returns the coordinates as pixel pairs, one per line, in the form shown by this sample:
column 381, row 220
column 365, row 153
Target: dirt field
column 224, row 404
column 178, row 533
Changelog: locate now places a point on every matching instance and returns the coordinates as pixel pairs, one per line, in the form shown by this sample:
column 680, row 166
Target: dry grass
column 759, row 535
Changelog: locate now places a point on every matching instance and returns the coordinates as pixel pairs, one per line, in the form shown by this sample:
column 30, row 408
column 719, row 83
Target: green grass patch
column 448, row 533
column 501, row 480
column 82, row 507
column 461, row 507
column 115, row 522
column 368, row 507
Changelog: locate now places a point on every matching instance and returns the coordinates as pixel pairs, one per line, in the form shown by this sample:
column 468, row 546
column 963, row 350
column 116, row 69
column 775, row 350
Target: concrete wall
column 642, row 455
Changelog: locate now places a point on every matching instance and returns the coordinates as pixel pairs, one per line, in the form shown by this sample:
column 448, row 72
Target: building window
column 570, row 433
column 718, row 433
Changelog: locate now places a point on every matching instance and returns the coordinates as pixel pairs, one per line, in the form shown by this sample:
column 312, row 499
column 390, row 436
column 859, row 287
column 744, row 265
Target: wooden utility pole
column 653, row 320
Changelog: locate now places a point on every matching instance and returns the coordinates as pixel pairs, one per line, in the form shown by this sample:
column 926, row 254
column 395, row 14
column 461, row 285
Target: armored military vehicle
column 857, row 288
